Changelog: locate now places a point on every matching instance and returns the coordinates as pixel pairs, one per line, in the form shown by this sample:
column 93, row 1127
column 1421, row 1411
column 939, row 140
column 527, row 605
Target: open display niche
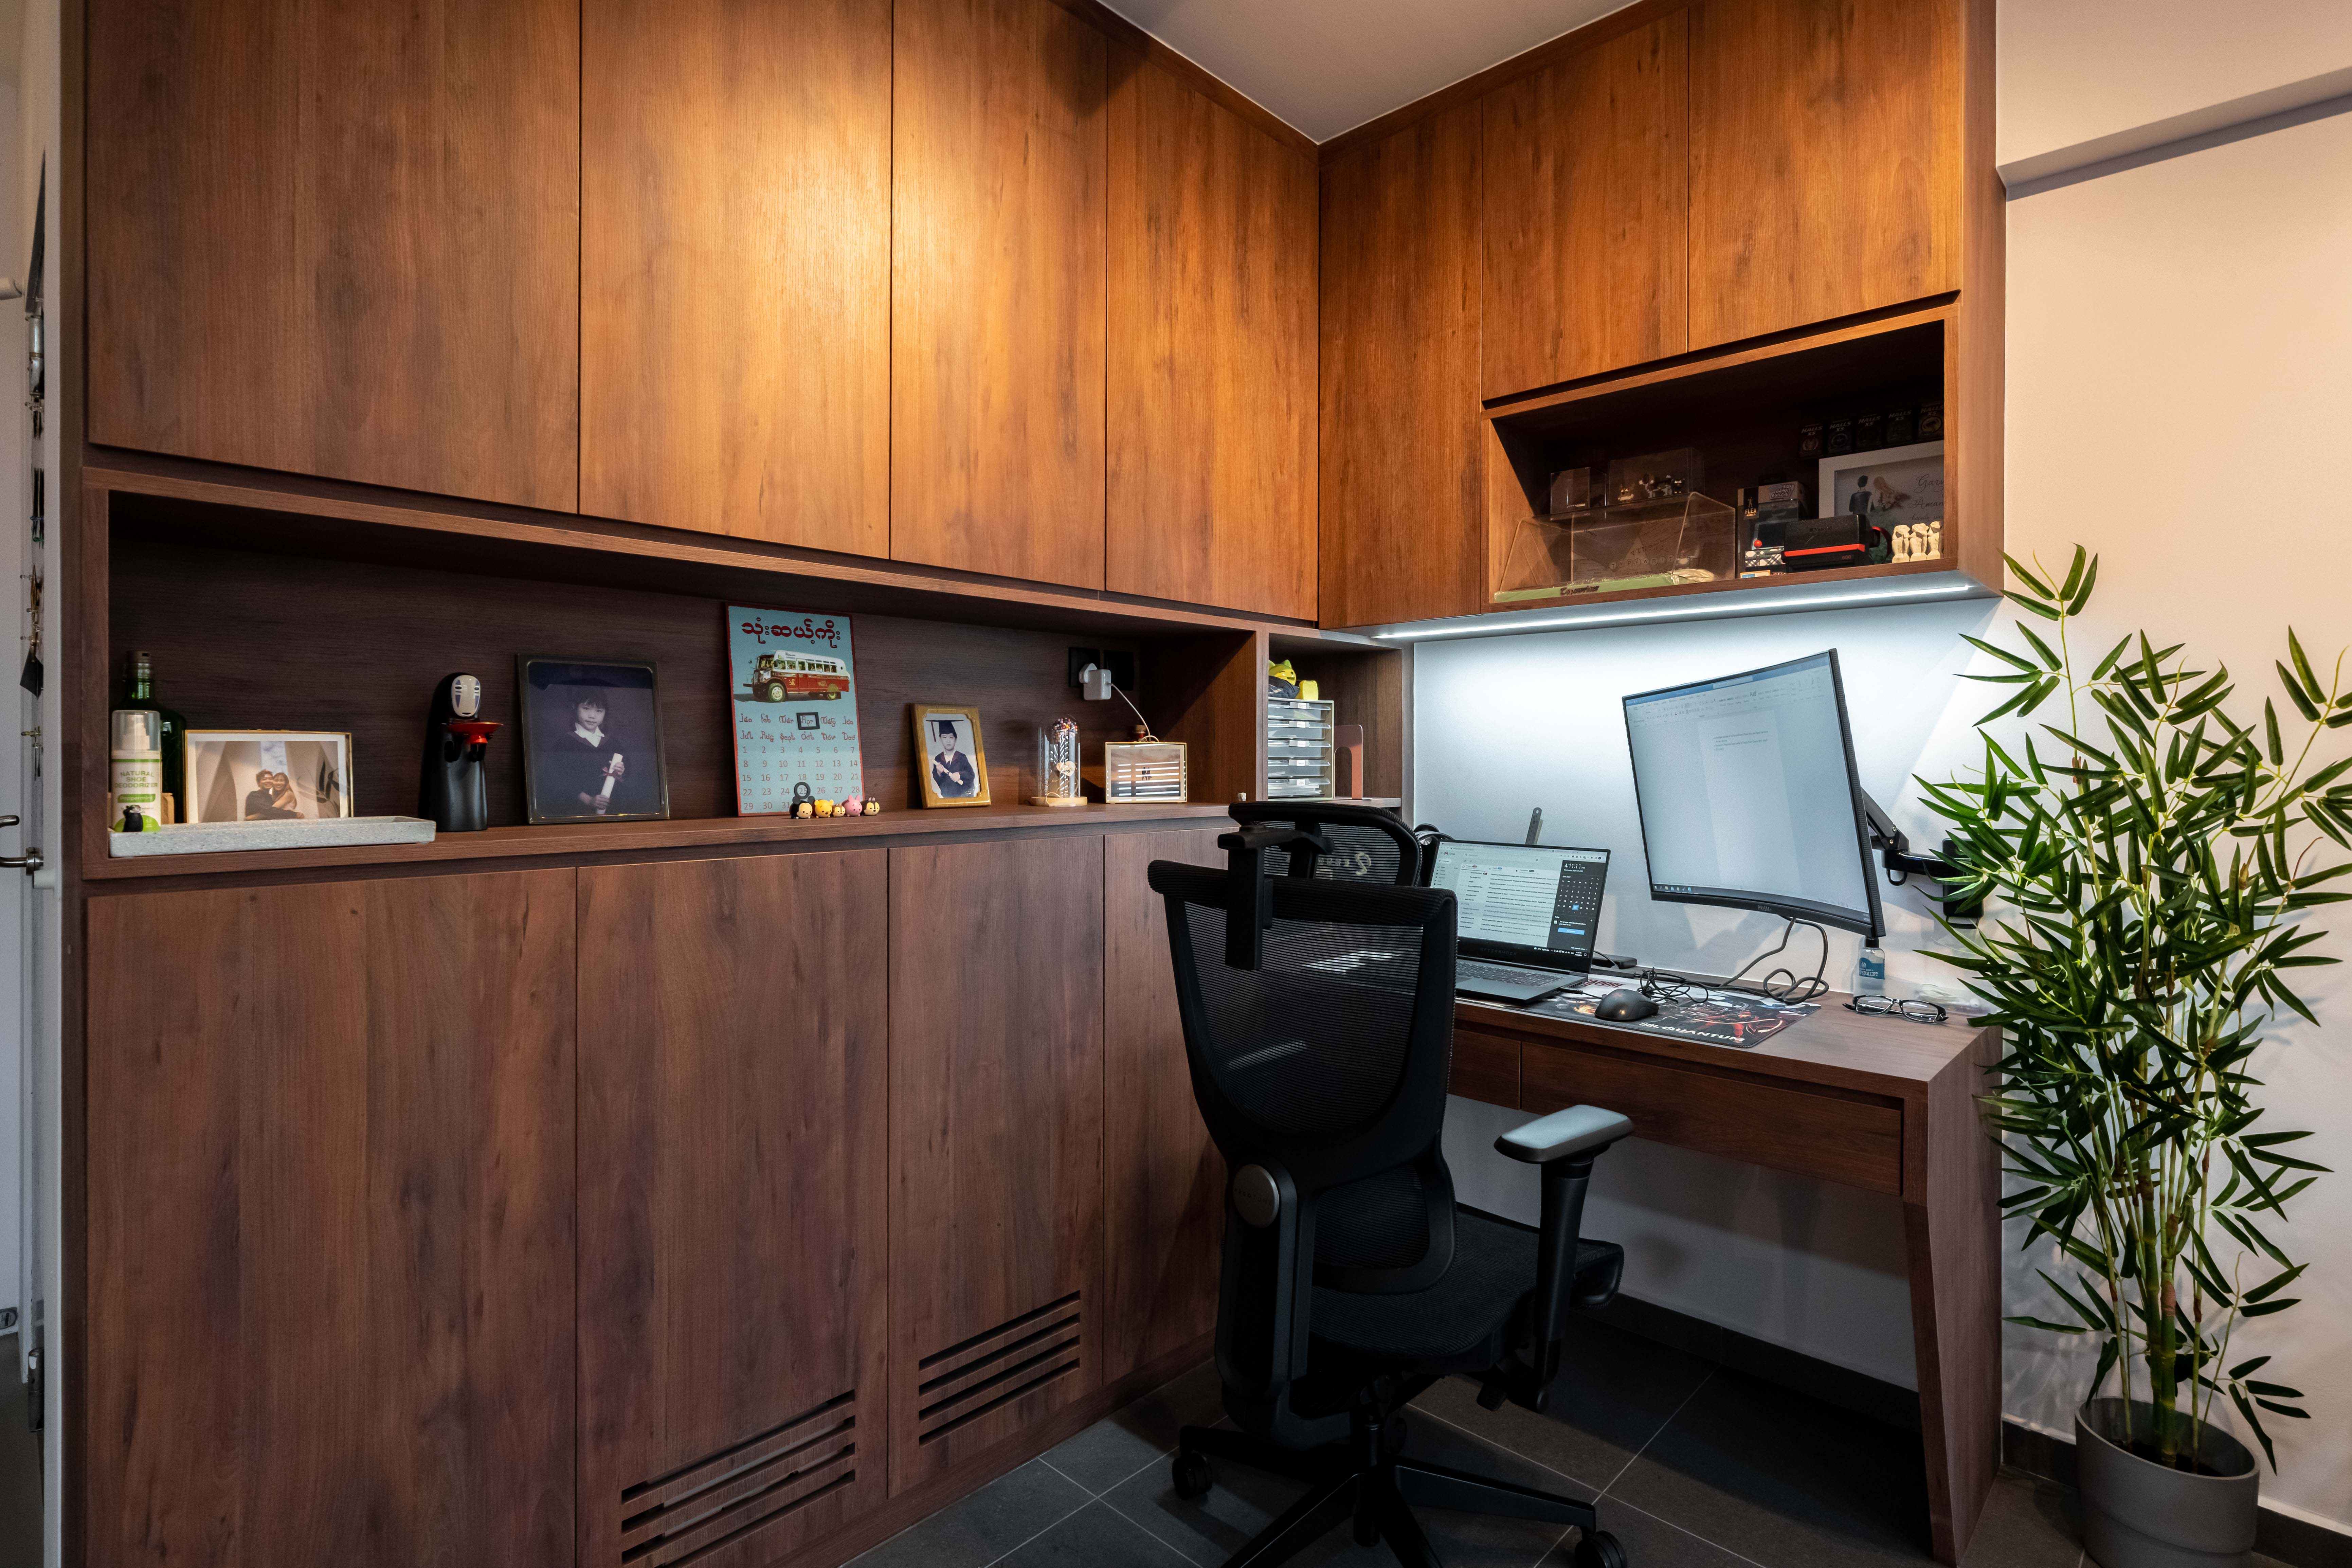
column 279, row 622
column 1743, row 413
column 1364, row 683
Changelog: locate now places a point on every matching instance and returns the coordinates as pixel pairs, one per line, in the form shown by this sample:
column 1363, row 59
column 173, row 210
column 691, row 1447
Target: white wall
column 2179, row 393
column 2087, row 81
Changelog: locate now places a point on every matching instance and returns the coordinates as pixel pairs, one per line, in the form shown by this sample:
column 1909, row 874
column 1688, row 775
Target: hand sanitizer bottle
column 1870, row 970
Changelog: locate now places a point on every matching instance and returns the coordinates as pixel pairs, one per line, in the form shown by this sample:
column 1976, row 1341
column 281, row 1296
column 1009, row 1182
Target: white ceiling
column 1327, row 66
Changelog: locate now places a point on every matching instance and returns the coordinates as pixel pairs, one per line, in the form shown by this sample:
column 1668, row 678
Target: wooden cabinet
column 733, row 1148
column 330, row 1199
column 735, row 268
column 1163, row 1180
column 997, row 289
column 1210, row 455
column 1585, row 207
column 1825, row 160
column 996, row 1130
column 339, row 239
column 1401, row 472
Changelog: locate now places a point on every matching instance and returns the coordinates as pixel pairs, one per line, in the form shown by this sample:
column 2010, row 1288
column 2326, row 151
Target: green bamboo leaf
column 2031, row 580
column 2311, row 686
column 2082, row 596
column 2303, row 704
column 2271, row 732
column 1998, row 652
column 2050, row 660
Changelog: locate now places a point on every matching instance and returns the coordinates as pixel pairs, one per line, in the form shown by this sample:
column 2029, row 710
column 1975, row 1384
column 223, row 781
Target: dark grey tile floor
column 1696, row 1466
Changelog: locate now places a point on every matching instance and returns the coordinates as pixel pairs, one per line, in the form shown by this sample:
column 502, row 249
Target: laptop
column 1528, row 915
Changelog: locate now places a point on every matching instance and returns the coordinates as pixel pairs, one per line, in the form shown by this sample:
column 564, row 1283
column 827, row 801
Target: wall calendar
column 794, row 690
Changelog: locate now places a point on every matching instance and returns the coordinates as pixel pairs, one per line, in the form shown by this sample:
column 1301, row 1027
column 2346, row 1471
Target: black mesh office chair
column 1317, row 989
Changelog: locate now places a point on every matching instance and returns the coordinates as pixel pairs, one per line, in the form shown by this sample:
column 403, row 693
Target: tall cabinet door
column 1212, row 429
column 996, row 1130
column 1402, row 478
column 735, row 258
column 329, row 1224
column 1824, row 160
column 732, row 1206
column 1585, row 213
column 340, row 239
column 1163, row 1180
column 997, row 289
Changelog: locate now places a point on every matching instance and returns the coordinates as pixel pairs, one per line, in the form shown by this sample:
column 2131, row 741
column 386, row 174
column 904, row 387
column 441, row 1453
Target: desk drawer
column 1857, row 1142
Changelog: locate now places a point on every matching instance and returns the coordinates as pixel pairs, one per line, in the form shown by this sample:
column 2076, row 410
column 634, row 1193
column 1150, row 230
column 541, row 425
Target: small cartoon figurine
column 824, row 808
column 805, row 808
column 873, row 806
column 850, row 807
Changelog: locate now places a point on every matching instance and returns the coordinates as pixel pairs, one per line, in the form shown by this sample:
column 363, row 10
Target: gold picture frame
column 940, row 773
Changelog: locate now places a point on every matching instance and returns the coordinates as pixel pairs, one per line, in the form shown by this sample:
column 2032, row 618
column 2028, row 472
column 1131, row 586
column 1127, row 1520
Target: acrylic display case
column 1655, row 543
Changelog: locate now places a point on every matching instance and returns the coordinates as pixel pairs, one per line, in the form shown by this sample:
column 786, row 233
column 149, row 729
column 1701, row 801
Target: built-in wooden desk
column 1883, row 1104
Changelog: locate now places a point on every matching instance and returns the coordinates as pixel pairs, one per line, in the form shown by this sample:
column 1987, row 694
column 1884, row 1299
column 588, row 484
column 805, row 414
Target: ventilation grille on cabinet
column 990, row 1370
column 675, row 1519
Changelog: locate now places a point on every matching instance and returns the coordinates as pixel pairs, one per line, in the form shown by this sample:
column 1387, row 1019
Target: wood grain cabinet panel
column 1586, row 213
column 340, row 239
column 735, row 260
column 1824, row 160
column 1163, row 1180
column 733, row 1147
column 1401, row 466
column 996, row 1133
column 329, row 1224
column 997, row 289
column 1212, row 374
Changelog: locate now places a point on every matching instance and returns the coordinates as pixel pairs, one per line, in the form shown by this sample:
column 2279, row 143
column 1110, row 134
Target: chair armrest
column 1578, row 1129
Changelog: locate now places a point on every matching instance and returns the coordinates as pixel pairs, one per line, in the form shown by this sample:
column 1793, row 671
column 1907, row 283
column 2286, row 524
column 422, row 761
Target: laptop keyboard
column 1506, row 974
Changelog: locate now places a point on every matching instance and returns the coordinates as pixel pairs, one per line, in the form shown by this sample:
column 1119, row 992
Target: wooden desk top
column 1892, row 1056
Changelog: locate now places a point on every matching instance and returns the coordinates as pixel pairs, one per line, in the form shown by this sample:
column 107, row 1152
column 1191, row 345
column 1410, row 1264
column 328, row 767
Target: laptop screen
column 1529, row 903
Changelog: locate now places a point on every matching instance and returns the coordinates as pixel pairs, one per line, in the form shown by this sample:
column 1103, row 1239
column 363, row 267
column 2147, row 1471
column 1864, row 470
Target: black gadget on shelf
column 1525, row 914
column 454, row 790
column 1816, row 543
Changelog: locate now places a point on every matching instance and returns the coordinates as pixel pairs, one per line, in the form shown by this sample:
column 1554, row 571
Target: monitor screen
column 1523, row 897
column 1748, row 798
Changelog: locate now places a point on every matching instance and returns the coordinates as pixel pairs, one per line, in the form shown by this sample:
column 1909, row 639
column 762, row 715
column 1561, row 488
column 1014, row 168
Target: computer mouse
column 1624, row 1005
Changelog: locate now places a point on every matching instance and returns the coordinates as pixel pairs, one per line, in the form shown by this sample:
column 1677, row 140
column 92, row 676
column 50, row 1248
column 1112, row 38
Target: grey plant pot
column 2139, row 1514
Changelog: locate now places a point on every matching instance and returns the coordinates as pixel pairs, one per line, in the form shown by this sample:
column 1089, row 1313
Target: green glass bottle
column 139, row 691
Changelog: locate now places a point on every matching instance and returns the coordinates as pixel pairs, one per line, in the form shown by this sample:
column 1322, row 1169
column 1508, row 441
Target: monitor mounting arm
column 1894, row 851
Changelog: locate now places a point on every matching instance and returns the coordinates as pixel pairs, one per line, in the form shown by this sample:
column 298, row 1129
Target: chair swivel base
column 1366, row 1481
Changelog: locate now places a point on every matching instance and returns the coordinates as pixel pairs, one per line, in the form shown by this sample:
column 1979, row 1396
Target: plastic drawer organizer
column 1300, row 764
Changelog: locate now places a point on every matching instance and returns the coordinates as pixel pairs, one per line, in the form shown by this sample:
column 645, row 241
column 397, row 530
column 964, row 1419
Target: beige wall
column 2084, row 80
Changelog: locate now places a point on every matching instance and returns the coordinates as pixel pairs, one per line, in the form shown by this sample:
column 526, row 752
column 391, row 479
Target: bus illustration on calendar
column 798, row 678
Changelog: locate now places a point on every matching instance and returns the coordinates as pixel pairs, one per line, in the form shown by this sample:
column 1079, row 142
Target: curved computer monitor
column 1749, row 796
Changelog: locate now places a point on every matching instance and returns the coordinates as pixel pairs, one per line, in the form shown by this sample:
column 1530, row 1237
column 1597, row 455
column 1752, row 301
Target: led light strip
column 1788, row 604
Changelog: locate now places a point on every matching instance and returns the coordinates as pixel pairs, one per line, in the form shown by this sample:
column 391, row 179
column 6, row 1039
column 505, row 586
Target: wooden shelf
column 574, row 841
column 1847, row 587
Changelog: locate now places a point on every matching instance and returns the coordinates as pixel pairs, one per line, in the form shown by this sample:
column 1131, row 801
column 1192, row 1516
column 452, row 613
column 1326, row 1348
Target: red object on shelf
column 477, row 730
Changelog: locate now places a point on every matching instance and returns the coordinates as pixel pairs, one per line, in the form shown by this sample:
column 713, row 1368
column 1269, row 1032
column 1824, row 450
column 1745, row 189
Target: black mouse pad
column 1740, row 1022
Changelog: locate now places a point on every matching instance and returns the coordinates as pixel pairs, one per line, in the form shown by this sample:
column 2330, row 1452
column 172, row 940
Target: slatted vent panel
column 965, row 1382
column 695, row 1510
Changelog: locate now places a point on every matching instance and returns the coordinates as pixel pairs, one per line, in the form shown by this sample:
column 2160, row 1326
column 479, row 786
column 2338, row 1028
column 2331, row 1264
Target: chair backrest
column 1329, row 1058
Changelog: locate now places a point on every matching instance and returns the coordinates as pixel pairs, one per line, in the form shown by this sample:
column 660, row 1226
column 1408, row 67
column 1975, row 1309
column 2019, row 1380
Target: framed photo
column 266, row 775
column 1893, row 485
column 592, row 740
column 949, row 757
column 792, row 693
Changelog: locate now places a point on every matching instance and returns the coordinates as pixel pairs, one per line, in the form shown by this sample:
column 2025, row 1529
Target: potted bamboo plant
column 2150, row 858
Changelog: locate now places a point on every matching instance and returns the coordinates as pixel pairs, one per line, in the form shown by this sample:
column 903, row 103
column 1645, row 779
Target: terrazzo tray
column 216, row 837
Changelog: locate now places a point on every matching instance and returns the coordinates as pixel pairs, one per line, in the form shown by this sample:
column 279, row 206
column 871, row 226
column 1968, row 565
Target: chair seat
column 1465, row 1313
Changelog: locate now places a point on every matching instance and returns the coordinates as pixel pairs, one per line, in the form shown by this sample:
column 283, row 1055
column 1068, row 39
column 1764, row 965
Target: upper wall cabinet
column 1825, row 160
column 735, row 268
column 1585, row 209
column 997, row 290
column 339, row 239
column 1401, row 469
column 1211, row 378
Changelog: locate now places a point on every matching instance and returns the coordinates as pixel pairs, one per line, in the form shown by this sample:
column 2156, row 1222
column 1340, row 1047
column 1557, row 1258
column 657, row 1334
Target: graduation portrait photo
column 592, row 747
column 949, row 759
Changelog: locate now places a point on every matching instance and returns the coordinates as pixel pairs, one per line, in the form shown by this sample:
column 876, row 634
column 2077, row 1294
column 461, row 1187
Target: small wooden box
column 1144, row 773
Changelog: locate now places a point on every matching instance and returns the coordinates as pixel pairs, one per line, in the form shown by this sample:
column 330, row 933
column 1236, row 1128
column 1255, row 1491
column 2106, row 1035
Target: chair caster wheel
column 1600, row 1550
column 1192, row 1476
